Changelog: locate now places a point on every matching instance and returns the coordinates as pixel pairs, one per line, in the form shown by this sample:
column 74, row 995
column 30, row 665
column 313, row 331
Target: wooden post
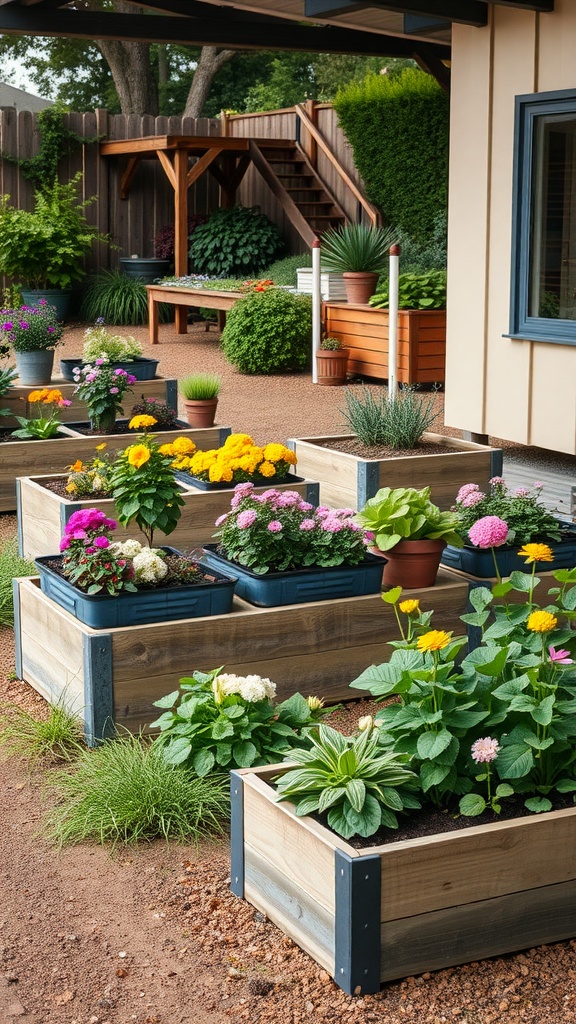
column 180, row 230
column 311, row 145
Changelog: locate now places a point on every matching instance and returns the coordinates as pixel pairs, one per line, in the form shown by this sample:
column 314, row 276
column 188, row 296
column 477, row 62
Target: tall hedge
column 398, row 129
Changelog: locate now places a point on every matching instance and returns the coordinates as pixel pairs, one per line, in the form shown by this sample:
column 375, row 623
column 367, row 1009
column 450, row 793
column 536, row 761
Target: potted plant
column 33, row 332
column 528, row 521
column 282, row 550
column 360, row 253
column 44, row 249
column 120, row 350
column 102, row 388
column 411, row 531
column 200, row 393
column 238, row 460
column 331, row 362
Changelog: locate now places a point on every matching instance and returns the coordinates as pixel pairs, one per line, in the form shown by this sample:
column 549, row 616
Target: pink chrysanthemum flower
column 472, row 499
column 497, row 481
column 522, row 492
column 464, row 491
column 485, row 750
column 246, row 518
column 332, row 525
column 307, row 524
column 488, row 532
column 274, row 526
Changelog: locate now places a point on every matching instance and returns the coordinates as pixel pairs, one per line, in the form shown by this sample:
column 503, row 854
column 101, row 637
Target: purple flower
column 485, row 750
column 274, row 526
column 91, row 550
column 8, row 325
column 42, row 302
column 488, row 532
column 120, row 373
column 24, row 325
column 102, row 542
column 560, row 657
column 78, row 534
column 64, row 543
column 50, row 330
column 99, row 362
column 246, row 518
column 131, row 379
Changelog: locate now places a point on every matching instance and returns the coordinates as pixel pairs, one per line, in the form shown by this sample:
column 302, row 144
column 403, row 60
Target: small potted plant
column 331, row 362
column 33, row 333
column 411, row 531
column 200, row 393
column 360, row 253
column 120, row 350
column 102, row 388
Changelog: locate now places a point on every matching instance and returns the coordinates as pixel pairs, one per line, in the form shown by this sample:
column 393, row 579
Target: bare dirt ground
column 152, row 935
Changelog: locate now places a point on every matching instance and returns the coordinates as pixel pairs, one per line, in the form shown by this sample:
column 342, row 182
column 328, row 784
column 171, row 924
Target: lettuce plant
column 404, row 513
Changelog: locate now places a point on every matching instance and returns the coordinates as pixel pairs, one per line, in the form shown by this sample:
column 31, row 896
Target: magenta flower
column 488, row 532
column 99, row 362
column 24, row 325
column 50, row 330
column 8, row 325
column 246, row 518
column 64, row 543
column 485, row 750
column 119, row 373
column 91, row 550
column 274, row 526
column 560, row 657
column 102, row 542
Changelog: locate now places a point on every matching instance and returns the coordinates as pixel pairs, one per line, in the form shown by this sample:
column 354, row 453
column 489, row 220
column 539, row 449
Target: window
column 544, row 219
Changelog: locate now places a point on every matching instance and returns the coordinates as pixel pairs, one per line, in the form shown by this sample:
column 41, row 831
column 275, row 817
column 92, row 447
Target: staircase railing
column 302, row 119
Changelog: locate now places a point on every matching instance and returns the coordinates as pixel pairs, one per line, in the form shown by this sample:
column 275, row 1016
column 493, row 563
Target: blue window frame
column 543, row 293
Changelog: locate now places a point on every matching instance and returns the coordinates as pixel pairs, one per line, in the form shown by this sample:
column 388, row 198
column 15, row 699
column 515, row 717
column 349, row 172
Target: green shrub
column 415, row 291
column 283, row 272
column 118, row 299
column 376, row 418
column 25, row 736
column 269, row 332
column 398, row 128
column 236, row 241
column 11, row 565
column 125, row 791
column 429, row 253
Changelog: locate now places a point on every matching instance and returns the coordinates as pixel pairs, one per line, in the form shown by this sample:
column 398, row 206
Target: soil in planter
column 120, row 427
column 58, row 486
column 352, row 446
column 6, row 436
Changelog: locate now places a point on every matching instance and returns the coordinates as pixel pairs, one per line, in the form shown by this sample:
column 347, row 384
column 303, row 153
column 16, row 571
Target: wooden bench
column 182, row 299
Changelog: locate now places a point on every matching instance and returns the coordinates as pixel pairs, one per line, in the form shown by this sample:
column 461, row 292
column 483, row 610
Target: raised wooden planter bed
column 42, row 514
column 17, row 399
column 29, row 458
column 369, row 916
column 364, row 331
column 115, row 675
column 348, row 481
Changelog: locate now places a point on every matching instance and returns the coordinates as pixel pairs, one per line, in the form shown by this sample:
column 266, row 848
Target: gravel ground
column 153, row 935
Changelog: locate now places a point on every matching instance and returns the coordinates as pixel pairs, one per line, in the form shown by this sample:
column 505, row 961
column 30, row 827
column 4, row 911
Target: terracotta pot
column 359, row 286
column 201, row 412
column 332, row 366
column 412, row 563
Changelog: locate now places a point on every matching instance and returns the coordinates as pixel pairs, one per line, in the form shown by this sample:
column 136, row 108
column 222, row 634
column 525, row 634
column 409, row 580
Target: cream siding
column 518, row 390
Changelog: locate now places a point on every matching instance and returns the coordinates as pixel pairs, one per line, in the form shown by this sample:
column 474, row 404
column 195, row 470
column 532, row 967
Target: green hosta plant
column 415, row 291
column 145, row 490
column 404, row 513
column 235, row 241
column 218, row 721
column 360, row 787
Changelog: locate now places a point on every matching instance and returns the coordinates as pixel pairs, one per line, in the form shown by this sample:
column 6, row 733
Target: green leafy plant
column 269, row 332
column 102, row 388
column 360, row 787
column 56, row 142
column 57, row 736
column 116, row 348
column 238, row 241
column 331, row 345
column 90, row 562
column 11, row 565
column 86, row 479
column 415, row 291
column 118, row 299
column 125, row 791
column 166, row 417
column 356, row 247
column 8, row 375
column 41, row 427
column 200, row 386
column 145, row 490
column 218, row 721
column 46, row 248
column 398, row 422
column 405, row 513
column 31, row 328
column 526, row 516
column 284, row 272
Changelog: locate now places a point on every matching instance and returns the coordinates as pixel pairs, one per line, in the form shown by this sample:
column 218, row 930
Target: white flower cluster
column 149, row 566
column 250, row 688
column 126, row 548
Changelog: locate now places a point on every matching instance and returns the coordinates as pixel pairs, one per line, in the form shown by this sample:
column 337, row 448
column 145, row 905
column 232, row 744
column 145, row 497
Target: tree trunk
column 129, row 64
column 211, row 60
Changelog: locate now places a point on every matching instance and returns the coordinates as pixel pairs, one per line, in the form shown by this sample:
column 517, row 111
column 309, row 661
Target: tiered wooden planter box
column 349, row 481
column 364, row 331
column 369, row 916
column 17, row 400
column 114, row 676
column 42, row 514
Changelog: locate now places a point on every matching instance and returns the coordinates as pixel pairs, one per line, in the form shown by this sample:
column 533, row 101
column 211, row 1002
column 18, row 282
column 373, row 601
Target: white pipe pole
column 393, row 320
column 316, row 307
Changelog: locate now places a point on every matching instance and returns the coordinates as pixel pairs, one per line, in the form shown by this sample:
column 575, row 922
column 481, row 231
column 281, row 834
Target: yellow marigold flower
column 267, row 469
column 435, row 640
column 167, row 449
column 71, row 488
column 183, row 446
column 541, row 622
column 138, row 454
column 53, row 397
column 38, row 396
column 101, row 447
column 409, row 606
column 536, row 553
column 140, row 422
column 77, row 466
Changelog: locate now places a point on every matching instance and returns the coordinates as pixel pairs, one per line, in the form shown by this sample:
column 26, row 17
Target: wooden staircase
column 304, row 197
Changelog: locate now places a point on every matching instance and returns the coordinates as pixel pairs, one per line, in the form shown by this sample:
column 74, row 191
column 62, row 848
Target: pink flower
column 522, row 492
column 497, row 481
column 246, row 518
column 307, row 524
column 488, row 532
column 241, row 491
column 472, row 499
column 114, row 391
column 79, row 535
column 560, row 657
column 538, row 485
column 485, row 750
column 222, row 519
column 305, row 506
column 368, row 536
column 465, row 490
column 274, row 526
column 119, row 372
column 99, row 362
column 332, row 525
column 65, row 401
column 64, row 543
column 101, row 542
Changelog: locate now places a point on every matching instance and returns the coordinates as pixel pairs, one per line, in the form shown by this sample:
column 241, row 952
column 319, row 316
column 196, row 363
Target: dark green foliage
column 269, row 332
column 56, row 142
column 398, row 423
column 398, row 129
column 429, row 253
column 11, row 565
column 283, row 272
column 234, row 242
column 415, row 291
column 118, row 299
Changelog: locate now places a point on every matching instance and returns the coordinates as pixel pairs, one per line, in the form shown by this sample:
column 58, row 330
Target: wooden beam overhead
column 469, row 12
column 543, row 6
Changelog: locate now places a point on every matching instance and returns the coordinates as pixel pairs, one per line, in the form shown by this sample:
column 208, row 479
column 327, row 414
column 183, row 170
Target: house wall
column 521, row 391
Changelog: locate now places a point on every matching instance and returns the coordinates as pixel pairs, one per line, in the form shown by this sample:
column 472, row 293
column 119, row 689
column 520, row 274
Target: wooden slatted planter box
column 115, row 675
column 30, row 458
column 370, row 916
column 159, row 387
column 348, row 481
column 42, row 514
column 364, row 332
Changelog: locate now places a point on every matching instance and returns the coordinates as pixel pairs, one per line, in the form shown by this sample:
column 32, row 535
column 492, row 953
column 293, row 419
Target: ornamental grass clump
column 379, row 419
column 239, row 460
column 41, row 427
column 57, row 736
column 145, row 490
column 217, row 721
column 527, row 518
column 11, row 565
column 278, row 530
